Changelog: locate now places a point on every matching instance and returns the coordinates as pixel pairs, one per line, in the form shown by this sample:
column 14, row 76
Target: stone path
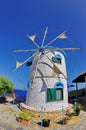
column 8, row 113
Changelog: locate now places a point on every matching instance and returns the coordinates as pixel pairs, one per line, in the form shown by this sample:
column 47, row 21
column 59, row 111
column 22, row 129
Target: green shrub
column 73, row 114
column 24, row 116
column 45, row 120
column 78, row 106
column 67, row 118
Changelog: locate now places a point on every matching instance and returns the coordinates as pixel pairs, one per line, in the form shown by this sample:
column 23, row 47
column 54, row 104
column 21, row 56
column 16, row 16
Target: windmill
column 48, row 78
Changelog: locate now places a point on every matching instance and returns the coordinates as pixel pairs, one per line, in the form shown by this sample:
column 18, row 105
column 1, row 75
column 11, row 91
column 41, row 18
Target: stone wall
column 55, row 114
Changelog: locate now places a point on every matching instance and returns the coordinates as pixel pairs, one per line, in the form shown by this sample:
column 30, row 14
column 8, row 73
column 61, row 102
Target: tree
column 5, row 85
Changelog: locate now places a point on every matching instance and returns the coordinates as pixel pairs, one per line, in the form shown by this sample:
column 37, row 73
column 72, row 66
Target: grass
column 81, row 92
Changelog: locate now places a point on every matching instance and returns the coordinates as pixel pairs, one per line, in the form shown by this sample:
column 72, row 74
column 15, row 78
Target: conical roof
column 80, row 78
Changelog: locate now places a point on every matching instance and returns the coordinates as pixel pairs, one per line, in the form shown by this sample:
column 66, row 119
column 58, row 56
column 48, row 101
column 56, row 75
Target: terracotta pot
column 66, row 121
column 19, row 119
column 25, row 122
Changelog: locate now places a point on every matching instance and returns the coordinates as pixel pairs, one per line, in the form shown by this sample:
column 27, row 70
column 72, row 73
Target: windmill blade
column 19, row 64
column 72, row 49
column 48, row 76
column 61, row 36
column 44, row 36
column 55, row 68
column 30, row 50
column 32, row 39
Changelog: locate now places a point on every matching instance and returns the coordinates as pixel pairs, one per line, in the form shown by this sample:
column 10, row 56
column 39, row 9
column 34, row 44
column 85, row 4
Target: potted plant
column 78, row 108
column 24, row 118
column 45, row 122
column 66, row 120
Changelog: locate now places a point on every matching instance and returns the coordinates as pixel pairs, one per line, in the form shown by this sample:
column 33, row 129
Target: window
column 55, row 94
column 51, row 95
column 59, row 84
column 29, row 63
column 59, row 94
column 57, row 59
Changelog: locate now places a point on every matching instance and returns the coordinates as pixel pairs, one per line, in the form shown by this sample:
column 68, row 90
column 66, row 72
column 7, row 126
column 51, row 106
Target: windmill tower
column 48, row 77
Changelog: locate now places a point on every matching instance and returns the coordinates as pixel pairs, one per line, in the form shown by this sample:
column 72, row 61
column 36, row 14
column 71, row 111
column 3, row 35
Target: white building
column 48, row 81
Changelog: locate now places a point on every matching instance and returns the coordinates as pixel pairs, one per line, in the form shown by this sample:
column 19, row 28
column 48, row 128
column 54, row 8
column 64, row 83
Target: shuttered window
column 54, row 94
column 51, row 95
column 57, row 59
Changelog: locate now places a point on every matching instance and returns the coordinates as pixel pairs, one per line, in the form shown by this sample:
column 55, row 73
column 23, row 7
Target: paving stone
column 8, row 121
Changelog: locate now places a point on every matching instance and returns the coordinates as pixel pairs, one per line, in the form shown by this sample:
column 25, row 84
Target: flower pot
column 25, row 122
column 66, row 121
column 19, row 119
column 45, row 122
column 77, row 112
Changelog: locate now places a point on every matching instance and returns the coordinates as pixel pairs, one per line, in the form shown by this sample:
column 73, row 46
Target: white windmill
column 48, row 78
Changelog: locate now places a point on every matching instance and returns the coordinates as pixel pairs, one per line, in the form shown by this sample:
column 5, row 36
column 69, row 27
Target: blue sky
column 21, row 17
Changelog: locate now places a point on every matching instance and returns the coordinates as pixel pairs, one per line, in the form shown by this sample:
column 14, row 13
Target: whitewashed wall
column 37, row 93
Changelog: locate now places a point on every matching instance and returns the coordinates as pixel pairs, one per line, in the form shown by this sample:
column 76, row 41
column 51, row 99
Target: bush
column 25, row 116
column 5, row 85
column 73, row 114
column 78, row 106
column 67, row 118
